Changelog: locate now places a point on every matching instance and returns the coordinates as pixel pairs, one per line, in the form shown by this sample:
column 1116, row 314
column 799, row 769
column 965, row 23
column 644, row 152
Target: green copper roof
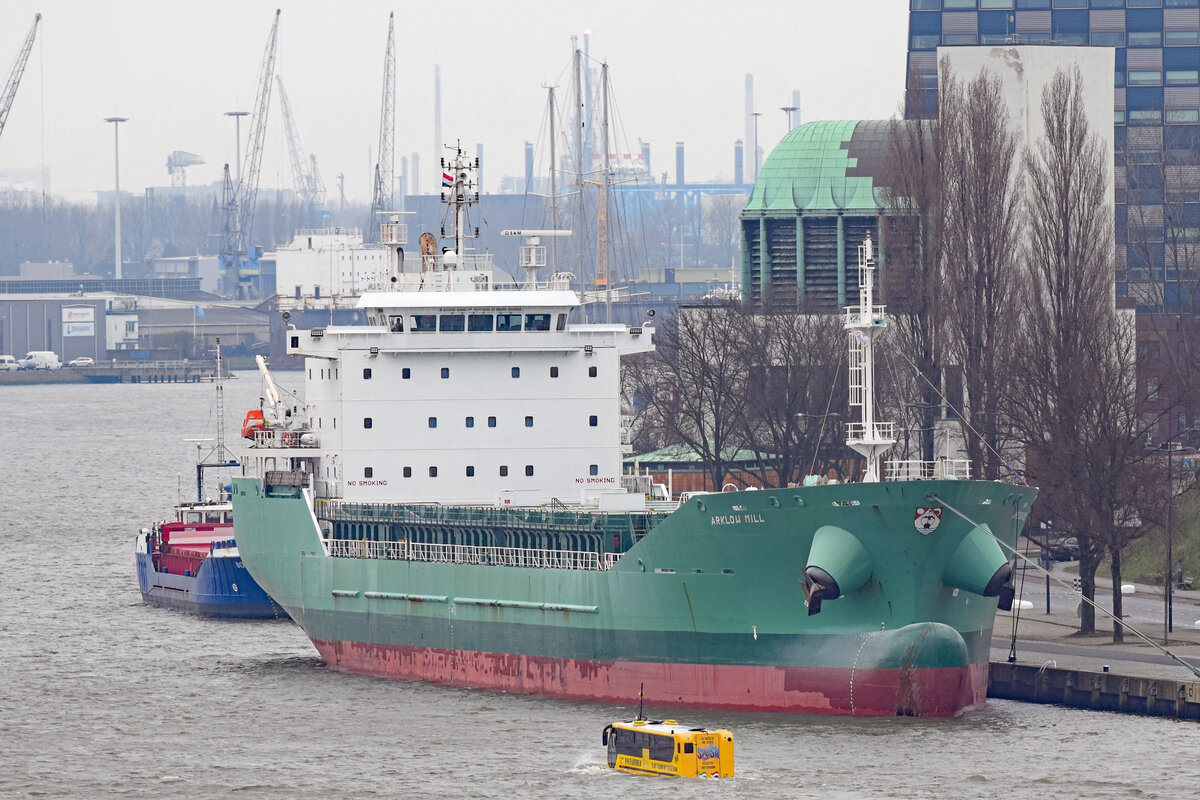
column 821, row 166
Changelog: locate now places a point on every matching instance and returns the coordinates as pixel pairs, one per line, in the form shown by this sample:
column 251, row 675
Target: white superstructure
column 458, row 390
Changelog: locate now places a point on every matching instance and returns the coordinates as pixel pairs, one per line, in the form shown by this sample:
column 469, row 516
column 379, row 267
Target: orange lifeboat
column 254, row 422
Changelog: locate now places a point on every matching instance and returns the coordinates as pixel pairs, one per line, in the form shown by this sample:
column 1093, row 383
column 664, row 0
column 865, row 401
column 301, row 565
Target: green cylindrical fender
column 977, row 564
column 839, row 553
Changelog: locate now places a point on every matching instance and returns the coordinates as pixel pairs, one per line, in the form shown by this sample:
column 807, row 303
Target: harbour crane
column 14, row 78
column 177, row 163
column 305, row 175
column 382, row 197
column 238, row 263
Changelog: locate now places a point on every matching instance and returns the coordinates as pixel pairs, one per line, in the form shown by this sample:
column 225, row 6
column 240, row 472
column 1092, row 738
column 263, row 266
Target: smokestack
column 416, row 174
column 529, row 166
column 438, row 144
column 738, row 155
column 749, row 163
column 646, row 158
column 679, row 164
column 479, row 168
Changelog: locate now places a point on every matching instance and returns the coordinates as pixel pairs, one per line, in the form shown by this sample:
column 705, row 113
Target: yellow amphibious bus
column 668, row 748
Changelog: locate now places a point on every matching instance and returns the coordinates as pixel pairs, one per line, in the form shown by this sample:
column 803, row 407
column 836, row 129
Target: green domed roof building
column 816, row 198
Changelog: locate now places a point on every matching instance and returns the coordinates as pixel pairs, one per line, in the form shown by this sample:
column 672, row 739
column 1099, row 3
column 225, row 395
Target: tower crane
column 237, row 262
column 381, row 200
column 305, row 175
column 14, row 78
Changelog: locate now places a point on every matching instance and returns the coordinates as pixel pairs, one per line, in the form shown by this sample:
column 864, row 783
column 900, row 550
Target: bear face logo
column 926, row 520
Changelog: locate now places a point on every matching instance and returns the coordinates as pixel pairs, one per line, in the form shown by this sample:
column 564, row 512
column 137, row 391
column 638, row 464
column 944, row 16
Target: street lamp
column 1169, row 578
column 789, row 111
column 237, row 116
column 116, row 123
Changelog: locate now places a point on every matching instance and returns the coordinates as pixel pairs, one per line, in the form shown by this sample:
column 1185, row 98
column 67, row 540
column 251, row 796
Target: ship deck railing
column 940, row 469
column 519, row 517
column 472, row 554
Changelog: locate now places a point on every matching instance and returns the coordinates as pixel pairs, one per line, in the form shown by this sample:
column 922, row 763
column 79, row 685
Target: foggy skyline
column 175, row 70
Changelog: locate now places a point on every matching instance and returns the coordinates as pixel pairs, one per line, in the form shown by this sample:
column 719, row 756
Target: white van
column 40, row 359
column 8, row 363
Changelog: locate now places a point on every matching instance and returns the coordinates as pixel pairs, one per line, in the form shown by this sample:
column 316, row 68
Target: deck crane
column 14, row 77
column 238, row 263
column 382, row 198
column 305, row 175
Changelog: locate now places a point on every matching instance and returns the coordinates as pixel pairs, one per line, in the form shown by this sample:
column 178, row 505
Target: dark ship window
column 367, row 374
column 516, row 372
column 504, row 471
column 591, row 372
column 451, row 322
column 367, row 422
column 479, row 322
column 368, row 472
column 554, row 372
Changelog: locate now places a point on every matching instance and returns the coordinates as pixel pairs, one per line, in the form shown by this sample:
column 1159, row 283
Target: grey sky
column 174, row 69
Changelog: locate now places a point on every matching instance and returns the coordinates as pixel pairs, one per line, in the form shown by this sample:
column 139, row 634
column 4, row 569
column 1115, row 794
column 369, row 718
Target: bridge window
column 562, row 322
column 508, row 322
column 537, row 322
column 396, row 324
column 479, row 322
column 451, row 322
column 423, row 322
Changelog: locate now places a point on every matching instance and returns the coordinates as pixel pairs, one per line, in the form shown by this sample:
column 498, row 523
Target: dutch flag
column 447, row 180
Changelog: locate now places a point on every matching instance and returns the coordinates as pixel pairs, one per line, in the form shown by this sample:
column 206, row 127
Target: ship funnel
column 837, row 563
column 977, row 565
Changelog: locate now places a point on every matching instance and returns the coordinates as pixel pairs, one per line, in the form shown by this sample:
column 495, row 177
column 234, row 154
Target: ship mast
column 864, row 323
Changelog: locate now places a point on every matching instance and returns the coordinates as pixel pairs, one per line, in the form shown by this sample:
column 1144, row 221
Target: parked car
column 8, row 363
column 82, row 361
column 40, row 359
column 1064, row 549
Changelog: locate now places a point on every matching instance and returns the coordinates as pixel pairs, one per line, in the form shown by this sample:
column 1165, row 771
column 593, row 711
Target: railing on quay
column 472, row 554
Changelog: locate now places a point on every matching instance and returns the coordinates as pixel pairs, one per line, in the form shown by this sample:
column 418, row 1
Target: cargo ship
column 449, row 505
column 191, row 563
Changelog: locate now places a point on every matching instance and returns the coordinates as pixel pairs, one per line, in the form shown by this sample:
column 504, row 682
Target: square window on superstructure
column 516, row 372
column 470, row 422
column 593, row 469
column 537, row 322
column 433, row 472
column 491, row 422
column 529, row 422
column 405, row 373
column 562, row 322
column 368, row 472
column 593, row 421
column 504, row 471
column 423, row 322
column 451, row 322
column 529, row 470
column 591, row 372
column 508, row 322
column 433, row 422
column 470, row 472
column 295, row 339
column 368, row 422
column 479, row 322
column 396, row 323
column 366, row 373
column 408, row 472
column 554, row 372
column 445, row 372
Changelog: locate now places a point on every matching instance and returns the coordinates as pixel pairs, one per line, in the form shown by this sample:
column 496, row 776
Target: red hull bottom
column 932, row 691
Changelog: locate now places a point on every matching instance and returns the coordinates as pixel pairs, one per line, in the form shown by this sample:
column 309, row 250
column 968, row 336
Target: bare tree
column 1076, row 408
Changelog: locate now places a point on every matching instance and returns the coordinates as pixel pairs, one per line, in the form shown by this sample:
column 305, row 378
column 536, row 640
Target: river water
column 101, row 696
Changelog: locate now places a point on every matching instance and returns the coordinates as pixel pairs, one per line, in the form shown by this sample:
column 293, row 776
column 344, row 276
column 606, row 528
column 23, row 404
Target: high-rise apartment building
column 1156, row 113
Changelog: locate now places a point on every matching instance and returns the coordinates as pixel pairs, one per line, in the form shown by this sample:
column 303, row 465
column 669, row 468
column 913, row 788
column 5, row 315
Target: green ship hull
column 869, row 598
